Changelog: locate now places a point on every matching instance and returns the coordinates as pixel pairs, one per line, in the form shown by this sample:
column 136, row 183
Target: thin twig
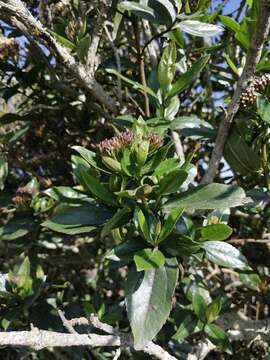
column 118, row 64
column 253, row 56
column 11, row 10
column 140, row 59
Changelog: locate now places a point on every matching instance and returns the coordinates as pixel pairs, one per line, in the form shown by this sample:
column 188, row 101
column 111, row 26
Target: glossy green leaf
column 218, row 337
column 142, row 152
column 140, row 10
column 18, row 227
column 211, row 196
column 118, row 219
column 224, row 254
column 84, row 218
column 126, row 250
column 149, row 300
column 193, row 127
column 216, row 232
column 198, row 28
column 164, row 11
column 144, row 226
column 170, row 223
column 186, row 328
column 98, row 189
column 188, row 77
column 64, row 41
column 251, row 280
column 213, row 310
column 65, row 194
column 167, row 66
column 229, row 22
column 179, row 246
column 199, row 306
column 172, row 182
column 167, row 166
column 240, row 156
column 89, row 156
column 148, row 259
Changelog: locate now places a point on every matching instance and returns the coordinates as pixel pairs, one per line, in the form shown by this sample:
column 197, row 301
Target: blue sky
column 229, row 7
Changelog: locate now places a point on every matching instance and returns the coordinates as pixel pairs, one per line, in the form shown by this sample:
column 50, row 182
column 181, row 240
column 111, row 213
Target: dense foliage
column 105, row 211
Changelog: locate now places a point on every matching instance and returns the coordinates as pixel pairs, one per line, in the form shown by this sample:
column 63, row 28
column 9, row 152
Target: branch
column 40, row 339
column 253, row 56
column 14, row 11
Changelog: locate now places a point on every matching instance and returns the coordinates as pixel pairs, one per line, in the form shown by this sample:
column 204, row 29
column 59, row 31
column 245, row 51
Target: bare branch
column 39, row 339
column 253, row 56
column 12, row 10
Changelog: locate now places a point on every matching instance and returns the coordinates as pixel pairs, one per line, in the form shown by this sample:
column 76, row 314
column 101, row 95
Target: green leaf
column 63, row 41
column 211, row 196
column 263, row 108
column 224, row 254
column 119, row 218
column 167, row 66
column 164, row 11
column 135, row 85
column 18, row 227
column 156, row 11
column 72, row 220
column 231, row 64
column 172, row 182
column 83, row 47
column 193, row 127
column 126, row 250
column 166, row 166
column 240, row 156
column 64, row 194
column 180, row 246
column 149, row 301
column 140, row 10
column 213, row 310
column 3, row 171
column 155, row 160
column 188, row 77
column 144, row 226
column 89, row 156
column 198, row 28
column 142, row 152
column 170, row 223
column 251, row 280
column 199, row 306
column 23, row 279
column 229, row 22
column 218, row 337
column 216, row 232
column 148, row 259
column 98, row 189
column 186, row 328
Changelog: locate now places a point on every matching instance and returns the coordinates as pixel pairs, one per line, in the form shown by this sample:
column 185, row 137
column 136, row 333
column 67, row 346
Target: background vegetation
column 178, row 75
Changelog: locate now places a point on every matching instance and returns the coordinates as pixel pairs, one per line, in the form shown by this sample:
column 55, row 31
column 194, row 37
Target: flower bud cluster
column 8, row 48
column 113, row 146
column 248, row 97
